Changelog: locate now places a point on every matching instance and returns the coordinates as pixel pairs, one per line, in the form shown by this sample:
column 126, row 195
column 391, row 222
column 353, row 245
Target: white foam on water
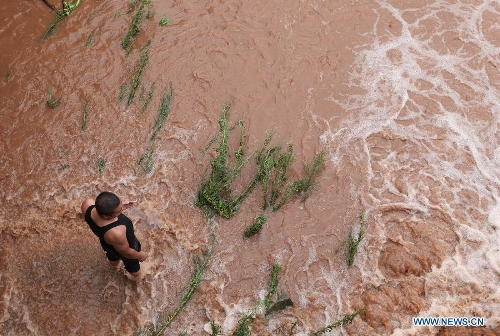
column 444, row 107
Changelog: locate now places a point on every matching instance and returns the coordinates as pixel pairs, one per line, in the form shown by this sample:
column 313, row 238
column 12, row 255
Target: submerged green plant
column 200, row 265
column 123, row 91
column 163, row 112
column 64, row 159
column 273, row 284
column 89, row 39
column 53, row 103
column 353, row 242
column 280, row 329
column 164, row 21
column 302, row 188
column 68, row 8
column 85, row 114
column 101, row 166
column 136, row 80
column 8, row 75
column 215, row 328
column 256, row 226
column 137, row 19
column 215, row 195
column 347, row 319
column 131, row 6
column 148, row 99
column 146, row 161
column 243, row 327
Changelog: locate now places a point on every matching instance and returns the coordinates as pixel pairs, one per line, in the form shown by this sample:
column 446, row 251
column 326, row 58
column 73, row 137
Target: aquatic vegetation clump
column 52, row 102
column 85, row 115
column 215, row 195
column 163, row 112
column 136, row 80
column 301, row 188
column 90, row 38
column 347, row 319
column 68, row 8
column 353, row 242
column 164, row 21
column 8, row 75
column 215, row 329
column 147, row 101
column 64, row 159
column 101, row 166
column 131, row 6
column 137, row 19
column 200, row 265
column 146, row 160
column 123, row 91
column 256, row 226
column 273, row 284
column 243, row 327
column 280, row 329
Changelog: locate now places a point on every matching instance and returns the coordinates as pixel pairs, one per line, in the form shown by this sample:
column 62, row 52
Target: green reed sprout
column 163, row 112
column 215, row 195
column 101, row 166
column 131, row 6
column 146, row 161
column 136, row 80
column 280, row 329
column 347, row 319
column 64, row 159
column 256, row 226
column 68, row 8
column 164, row 21
column 123, row 91
column 53, row 103
column 200, row 265
column 215, row 328
column 85, row 115
column 137, row 19
column 243, row 327
column 8, row 75
column 273, row 284
column 353, row 242
column 149, row 97
column 89, row 39
column 302, row 188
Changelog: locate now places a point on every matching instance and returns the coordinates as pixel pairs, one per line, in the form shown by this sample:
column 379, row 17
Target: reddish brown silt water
column 403, row 97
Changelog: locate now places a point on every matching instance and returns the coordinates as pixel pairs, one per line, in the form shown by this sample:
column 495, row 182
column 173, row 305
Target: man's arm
column 85, row 205
column 118, row 238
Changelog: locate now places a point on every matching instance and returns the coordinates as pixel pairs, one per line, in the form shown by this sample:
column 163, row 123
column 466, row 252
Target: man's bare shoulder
column 85, row 205
column 116, row 235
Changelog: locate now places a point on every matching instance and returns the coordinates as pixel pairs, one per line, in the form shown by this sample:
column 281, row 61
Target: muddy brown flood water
column 403, row 97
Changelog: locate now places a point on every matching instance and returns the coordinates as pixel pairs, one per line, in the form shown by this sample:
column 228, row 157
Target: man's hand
column 128, row 204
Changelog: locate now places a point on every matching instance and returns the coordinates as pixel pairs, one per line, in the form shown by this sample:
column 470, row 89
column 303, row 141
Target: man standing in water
column 115, row 231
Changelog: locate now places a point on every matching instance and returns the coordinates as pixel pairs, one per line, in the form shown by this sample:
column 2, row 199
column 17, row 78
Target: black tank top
column 99, row 231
